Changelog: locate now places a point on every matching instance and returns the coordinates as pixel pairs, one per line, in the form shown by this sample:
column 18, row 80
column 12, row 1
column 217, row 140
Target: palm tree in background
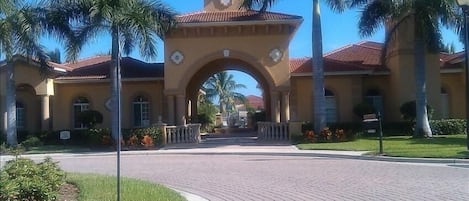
column 20, row 29
column 223, row 86
column 427, row 16
column 131, row 23
column 319, row 100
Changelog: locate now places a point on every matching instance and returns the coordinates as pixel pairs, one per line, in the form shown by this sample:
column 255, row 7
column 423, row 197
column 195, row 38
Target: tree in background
column 223, row 86
column 131, row 23
column 428, row 18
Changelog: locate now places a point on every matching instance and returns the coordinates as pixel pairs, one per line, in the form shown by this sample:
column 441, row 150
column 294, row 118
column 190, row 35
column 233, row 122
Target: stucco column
column 194, row 116
column 171, row 111
column 45, row 113
column 285, row 113
column 181, row 108
column 275, row 106
column 10, row 103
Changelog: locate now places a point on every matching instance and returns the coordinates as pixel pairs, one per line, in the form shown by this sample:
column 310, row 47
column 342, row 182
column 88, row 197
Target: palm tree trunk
column 422, row 126
column 116, row 86
column 11, row 106
column 318, row 72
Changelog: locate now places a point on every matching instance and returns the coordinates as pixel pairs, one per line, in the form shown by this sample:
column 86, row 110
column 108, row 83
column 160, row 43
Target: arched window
column 444, row 104
column 141, row 108
column 20, row 116
column 331, row 110
column 374, row 98
column 79, row 105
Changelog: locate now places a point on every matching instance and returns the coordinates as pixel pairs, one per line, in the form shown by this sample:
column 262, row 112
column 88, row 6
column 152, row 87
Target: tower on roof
column 222, row 5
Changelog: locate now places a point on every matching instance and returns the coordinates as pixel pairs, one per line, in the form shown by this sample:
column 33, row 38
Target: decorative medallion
column 177, row 57
column 276, row 55
column 225, row 2
column 226, row 52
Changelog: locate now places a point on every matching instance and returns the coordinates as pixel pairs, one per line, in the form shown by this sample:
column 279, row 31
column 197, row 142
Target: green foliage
column 98, row 136
column 409, row 111
column 448, row 126
column 3, row 137
column 32, row 141
column 206, row 114
column 363, row 108
column 398, row 128
column 90, row 118
column 139, row 133
column 22, row 179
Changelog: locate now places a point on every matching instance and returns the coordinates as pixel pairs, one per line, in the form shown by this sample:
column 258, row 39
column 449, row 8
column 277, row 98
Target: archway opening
column 246, row 102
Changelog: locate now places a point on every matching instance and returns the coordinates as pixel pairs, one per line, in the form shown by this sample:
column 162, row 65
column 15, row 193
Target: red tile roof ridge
column 86, row 59
column 363, row 44
column 338, row 50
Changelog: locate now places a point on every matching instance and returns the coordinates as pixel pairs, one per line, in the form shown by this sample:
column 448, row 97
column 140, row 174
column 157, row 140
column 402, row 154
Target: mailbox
column 370, row 123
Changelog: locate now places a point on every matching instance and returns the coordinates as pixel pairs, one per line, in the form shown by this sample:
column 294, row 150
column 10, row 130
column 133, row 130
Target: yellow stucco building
column 222, row 37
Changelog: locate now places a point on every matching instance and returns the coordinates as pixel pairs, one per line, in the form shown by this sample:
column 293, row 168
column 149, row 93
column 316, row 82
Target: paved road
column 267, row 177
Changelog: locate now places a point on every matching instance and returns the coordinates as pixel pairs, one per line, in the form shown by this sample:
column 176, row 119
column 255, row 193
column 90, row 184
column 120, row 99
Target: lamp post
column 464, row 4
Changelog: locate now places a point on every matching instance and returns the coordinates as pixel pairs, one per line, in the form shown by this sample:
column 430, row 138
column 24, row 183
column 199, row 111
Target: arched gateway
column 224, row 37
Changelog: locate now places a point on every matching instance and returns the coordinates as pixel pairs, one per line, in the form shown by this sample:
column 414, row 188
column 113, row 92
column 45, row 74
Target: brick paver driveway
column 267, row 177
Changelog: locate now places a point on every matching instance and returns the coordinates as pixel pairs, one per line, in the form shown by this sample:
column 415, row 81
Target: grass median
column 99, row 187
column 448, row 146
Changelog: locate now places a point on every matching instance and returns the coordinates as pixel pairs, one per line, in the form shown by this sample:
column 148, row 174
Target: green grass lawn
column 448, row 146
column 94, row 187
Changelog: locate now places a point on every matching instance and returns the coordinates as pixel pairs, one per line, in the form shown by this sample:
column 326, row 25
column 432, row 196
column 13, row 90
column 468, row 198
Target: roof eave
column 97, row 80
column 295, row 22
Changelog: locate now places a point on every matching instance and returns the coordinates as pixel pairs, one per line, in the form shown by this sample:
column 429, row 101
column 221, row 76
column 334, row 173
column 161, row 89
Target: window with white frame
column 331, row 104
column 20, row 116
column 374, row 98
column 141, row 108
column 79, row 105
column 444, row 104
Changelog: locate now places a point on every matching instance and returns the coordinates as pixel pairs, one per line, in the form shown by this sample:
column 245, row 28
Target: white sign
column 64, row 135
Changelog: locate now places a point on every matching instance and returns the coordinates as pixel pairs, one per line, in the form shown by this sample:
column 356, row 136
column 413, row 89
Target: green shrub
column 154, row 132
column 409, row 111
column 90, row 118
column 363, row 108
column 3, row 137
column 448, row 126
column 98, row 136
column 31, row 141
column 22, row 179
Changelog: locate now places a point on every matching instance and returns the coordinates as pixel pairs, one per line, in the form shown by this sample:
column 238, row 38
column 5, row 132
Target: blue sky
column 339, row 29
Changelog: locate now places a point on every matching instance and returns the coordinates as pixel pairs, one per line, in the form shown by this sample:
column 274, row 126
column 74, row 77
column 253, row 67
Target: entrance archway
column 219, row 65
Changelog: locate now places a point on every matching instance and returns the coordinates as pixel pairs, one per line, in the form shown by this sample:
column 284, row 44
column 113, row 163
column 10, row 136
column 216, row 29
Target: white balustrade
column 268, row 131
column 181, row 134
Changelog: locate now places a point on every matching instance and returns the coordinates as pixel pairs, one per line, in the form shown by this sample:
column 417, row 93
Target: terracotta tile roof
column 98, row 68
column 233, row 16
column 304, row 65
column 366, row 53
column 255, row 101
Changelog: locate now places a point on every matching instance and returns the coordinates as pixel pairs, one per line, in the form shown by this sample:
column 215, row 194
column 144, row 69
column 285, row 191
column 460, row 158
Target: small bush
column 448, row 126
column 90, row 118
column 363, row 108
column 142, row 136
column 409, row 111
column 98, row 136
column 31, row 141
column 22, row 179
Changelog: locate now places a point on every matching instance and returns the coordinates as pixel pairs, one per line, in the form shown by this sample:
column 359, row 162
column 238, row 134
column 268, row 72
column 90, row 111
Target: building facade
column 223, row 37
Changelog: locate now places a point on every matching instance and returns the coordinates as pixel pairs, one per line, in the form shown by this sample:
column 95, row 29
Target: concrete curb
column 189, row 196
column 303, row 153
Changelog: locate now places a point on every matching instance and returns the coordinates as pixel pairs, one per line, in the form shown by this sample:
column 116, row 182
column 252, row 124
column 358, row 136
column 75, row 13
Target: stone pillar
column 171, row 111
column 275, row 106
column 194, row 117
column 285, row 113
column 181, row 108
column 45, row 113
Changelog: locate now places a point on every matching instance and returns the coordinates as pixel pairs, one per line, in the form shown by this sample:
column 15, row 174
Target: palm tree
column 427, row 17
column 223, row 86
column 130, row 22
column 319, row 100
column 19, row 32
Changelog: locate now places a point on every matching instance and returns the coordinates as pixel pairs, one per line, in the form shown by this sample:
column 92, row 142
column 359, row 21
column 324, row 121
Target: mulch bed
column 68, row 192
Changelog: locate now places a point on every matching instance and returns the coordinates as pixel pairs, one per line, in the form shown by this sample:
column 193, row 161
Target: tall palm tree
column 19, row 34
column 223, row 86
column 428, row 16
column 130, row 23
column 319, row 100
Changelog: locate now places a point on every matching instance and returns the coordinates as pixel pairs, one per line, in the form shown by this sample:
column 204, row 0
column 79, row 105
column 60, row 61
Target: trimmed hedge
column 448, row 126
column 22, row 179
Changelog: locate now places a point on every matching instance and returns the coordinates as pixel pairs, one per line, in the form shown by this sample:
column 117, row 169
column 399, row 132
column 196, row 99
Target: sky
column 338, row 30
